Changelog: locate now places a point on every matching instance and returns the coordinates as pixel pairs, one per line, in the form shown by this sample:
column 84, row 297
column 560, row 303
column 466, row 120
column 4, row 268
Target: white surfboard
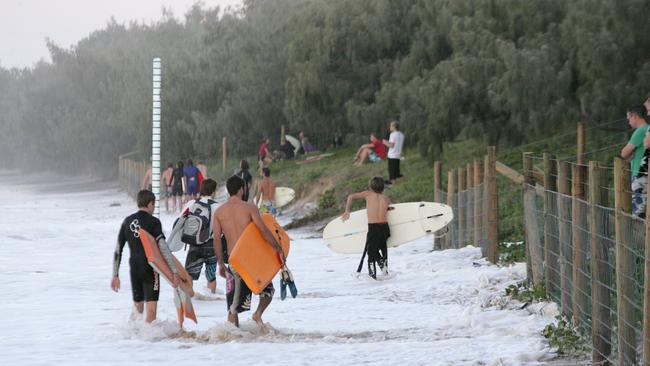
column 407, row 221
column 283, row 196
column 294, row 142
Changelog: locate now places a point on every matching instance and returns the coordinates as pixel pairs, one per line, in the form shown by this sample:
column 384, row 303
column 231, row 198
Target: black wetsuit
column 177, row 187
column 145, row 282
column 248, row 179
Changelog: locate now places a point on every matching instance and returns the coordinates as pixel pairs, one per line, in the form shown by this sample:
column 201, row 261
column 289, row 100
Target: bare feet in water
column 258, row 319
column 212, row 285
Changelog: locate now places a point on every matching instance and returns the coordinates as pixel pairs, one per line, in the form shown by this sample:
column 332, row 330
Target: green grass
column 328, row 181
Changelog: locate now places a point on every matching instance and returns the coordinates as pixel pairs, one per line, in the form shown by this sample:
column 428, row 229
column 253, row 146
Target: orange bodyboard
column 156, row 260
column 254, row 259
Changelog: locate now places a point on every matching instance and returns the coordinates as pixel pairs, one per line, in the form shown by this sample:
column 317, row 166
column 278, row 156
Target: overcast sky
column 24, row 24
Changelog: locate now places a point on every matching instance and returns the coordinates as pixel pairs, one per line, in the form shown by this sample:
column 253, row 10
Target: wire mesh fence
column 590, row 256
column 131, row 174
column 582, row 242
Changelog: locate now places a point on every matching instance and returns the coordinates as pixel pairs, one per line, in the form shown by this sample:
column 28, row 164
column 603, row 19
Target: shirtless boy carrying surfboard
column 266, row 193
column 378, row 231
column 231, row 219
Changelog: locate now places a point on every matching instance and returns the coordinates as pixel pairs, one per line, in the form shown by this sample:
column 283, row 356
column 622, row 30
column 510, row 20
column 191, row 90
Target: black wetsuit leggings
column 376, row 245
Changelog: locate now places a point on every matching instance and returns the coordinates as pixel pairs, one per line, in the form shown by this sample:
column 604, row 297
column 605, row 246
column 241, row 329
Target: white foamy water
column 435, row 308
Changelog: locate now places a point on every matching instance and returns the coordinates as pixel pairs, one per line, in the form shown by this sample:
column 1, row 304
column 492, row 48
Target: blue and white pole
column 155, row 133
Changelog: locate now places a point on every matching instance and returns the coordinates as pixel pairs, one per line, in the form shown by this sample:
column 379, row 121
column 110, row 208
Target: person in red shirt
column 263, row 153
column 374, row 151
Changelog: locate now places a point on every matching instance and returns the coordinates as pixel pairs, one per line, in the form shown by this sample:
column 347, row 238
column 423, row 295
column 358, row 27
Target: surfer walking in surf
column 145, row 282
column 203, row 253
column 266, row 193
column 231, row 219
column 378, row 231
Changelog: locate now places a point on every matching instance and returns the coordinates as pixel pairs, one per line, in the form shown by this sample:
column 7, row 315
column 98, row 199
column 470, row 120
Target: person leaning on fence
column 640, row 184
column 634, row 150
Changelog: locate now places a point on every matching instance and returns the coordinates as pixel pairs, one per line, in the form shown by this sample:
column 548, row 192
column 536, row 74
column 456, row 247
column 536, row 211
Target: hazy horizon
column 26, row 24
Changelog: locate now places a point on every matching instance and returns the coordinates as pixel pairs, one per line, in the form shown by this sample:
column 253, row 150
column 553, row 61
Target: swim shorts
column 373, row 157
column 267, row 207
column 238, row 295
column 197, row 255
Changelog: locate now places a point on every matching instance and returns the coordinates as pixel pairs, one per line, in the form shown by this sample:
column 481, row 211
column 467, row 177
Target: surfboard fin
column 186, row 306
column 179, row 307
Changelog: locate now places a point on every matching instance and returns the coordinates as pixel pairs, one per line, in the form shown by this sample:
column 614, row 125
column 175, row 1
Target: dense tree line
column 504, row 70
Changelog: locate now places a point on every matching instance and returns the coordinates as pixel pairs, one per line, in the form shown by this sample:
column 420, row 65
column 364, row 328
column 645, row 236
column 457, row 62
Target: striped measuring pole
column 155, row 133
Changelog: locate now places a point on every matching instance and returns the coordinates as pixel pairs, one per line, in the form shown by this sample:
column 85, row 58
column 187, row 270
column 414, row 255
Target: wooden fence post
column 469, row 234
column 493, row 206
column 462, row 207
column 436, row 197
column 282, row 138
column 600, row 276
column 566, row 253
column 451, row 188
column 551, row 246
column 437, row 184
column 224, row 151
column 534, row 256
column 579, row 219
column 478, row 201
column 580, row 157
column 624, row 265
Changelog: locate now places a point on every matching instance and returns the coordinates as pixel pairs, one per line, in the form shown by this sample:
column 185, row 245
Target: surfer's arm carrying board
column 266, row 234
column 348, row 203
column 218, row 245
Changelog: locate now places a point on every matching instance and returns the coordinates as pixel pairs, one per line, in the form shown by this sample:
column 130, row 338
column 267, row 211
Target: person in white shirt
column 395, row 143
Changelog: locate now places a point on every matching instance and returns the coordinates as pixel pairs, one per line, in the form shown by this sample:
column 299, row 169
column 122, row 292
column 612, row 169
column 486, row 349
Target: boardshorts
column 145, row 282
column 238, row 295
column 374, row 158
column 198, row 255
column 267, row 207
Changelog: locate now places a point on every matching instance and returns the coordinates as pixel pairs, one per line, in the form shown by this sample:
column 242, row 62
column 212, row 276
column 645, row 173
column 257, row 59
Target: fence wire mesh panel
column 484, row 231
column 582, row 268
column 566, row 253
column 630, row 283
column 461, row 207
column 604, row 285
column 549, row 228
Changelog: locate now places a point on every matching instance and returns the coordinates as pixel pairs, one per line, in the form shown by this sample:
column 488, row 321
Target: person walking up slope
column 378, row 231
column 266, row 193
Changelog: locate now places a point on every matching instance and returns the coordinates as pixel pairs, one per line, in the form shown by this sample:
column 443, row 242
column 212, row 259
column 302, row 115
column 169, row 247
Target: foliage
column 511, row 252
column 566, row 337
column 500, row 72
column 523, row 292
column 326, row 200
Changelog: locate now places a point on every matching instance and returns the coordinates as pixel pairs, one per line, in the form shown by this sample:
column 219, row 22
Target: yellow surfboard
column 254, row 259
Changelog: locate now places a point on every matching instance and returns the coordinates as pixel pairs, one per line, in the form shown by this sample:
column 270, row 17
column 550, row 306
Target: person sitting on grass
column 374, row 151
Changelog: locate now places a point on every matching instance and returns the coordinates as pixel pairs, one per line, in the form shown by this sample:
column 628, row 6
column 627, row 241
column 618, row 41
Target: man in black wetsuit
column 145, row 282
